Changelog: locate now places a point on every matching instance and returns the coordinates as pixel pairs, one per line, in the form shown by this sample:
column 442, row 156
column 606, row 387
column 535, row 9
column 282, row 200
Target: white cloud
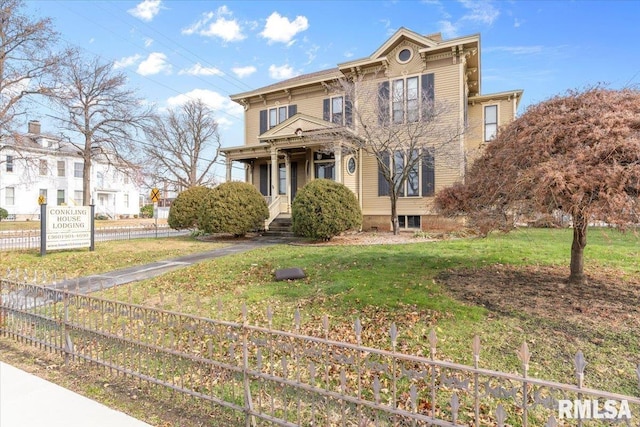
column 480, row 11
column 224, row 108
column 226, row 29
column 448, row 29
column 279, row 29
column 516, row 50
column 242, row 72
column 199, row 70
column 281, row 72
column 147, row 10
column 155, row 63
column 125, row 62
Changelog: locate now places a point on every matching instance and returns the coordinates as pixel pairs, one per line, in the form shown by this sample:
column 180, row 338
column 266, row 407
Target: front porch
column 289, row 157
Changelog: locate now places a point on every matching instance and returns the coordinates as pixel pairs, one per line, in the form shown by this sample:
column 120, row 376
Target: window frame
column 61, row 167
column 405, row 221
column 78, row 169
column 422, row 173
column 10, row 200
column 486, row 124
column 405, row 99
column 43, row 167
column 277, row 115
column 60, row 200
column 78, row 200
column 9, row 165
column 324, row 161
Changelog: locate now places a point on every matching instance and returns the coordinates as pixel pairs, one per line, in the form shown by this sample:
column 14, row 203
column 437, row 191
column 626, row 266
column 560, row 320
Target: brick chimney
column 34, row 127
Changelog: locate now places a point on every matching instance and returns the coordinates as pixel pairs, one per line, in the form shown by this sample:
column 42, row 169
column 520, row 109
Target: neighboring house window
column 324, row 166
column 125, row 179
column 409, row 221
column 100, row 179
column 490, row 122
column 10, row 196
column 406, row 100
column 60, row 197
column 77, row 197
column 338, row 110
column 126, row 200
column 43, row 167
column 420, row 178
column 78, row 169
column 274, row 116
column 61, row 168
column 9, row 163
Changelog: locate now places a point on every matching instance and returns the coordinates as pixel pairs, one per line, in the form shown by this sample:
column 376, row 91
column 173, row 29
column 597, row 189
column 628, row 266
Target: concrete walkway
column 29, row 401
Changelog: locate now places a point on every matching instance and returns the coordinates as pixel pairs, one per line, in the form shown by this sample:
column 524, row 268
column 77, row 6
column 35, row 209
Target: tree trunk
column 394, row 215
column 577, row 276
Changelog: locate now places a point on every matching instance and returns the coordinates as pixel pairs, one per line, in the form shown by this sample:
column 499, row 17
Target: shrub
column 184, row 209
column 3, row 214
column 146, row 211
column 233, row 207
column 323, row 209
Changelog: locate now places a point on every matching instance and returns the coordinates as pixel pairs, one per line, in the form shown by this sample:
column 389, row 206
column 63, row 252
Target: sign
column 155, row 195
column 41, row 200
column 68, row 227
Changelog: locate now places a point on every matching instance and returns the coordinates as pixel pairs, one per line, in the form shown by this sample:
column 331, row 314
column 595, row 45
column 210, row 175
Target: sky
column 172, row 51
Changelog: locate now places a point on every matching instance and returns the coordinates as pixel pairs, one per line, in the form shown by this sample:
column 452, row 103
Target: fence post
column 66, row 337
column 248, row 402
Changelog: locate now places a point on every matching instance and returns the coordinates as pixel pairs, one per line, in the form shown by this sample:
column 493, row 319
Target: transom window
column 490, row 122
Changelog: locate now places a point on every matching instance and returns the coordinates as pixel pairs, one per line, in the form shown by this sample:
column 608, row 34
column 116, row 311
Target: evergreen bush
column 3, row 214
column 233, row 207
column 183, row 213
column 323, row 209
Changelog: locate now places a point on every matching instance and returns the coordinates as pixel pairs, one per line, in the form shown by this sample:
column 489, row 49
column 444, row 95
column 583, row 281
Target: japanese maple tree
column 577, row 153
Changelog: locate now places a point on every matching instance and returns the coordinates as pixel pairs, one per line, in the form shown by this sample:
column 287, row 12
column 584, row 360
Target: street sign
column 41, row 200
column 155, row 195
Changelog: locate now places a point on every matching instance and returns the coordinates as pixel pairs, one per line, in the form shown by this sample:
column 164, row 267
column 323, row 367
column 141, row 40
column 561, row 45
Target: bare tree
column 96, row 105
column 403, row 127
column 578, row 154
column 27, row 60
column 184, row 146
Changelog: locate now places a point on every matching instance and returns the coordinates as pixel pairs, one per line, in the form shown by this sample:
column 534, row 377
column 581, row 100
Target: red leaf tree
column 578, row 154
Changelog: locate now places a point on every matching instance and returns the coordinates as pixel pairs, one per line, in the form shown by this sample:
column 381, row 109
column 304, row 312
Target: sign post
column 155, row 197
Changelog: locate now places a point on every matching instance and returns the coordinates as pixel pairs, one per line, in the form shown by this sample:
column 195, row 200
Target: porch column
column 338, row 168
column 228, row 164
column 274, row 173
column 287, row 167
column 249, row 172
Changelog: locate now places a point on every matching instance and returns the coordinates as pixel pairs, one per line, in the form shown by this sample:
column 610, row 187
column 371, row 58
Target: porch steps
column 280, row 226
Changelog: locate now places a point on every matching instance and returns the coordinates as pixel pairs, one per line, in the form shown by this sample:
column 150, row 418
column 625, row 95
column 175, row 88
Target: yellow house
column 304, row 128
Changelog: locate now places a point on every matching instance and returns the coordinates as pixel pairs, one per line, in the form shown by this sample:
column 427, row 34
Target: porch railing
column 274, row 210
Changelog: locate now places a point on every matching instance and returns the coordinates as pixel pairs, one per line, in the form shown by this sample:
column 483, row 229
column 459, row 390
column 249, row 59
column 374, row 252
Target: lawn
column 507, row 288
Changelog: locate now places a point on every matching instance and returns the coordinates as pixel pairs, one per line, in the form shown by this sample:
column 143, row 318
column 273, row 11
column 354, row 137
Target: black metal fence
column 268, row 376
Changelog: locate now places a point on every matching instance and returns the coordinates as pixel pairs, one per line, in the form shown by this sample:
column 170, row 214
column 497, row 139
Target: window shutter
column 428, row 96
column 293, row 110
column 263, row 121
column 326, row 113
column 264, row 180
column 348, row 111
column 428, row 173
column 383, row 184
column 383, row 103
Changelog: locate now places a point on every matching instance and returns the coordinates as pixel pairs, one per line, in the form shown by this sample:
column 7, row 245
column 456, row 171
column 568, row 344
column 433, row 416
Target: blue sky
column 173, row 50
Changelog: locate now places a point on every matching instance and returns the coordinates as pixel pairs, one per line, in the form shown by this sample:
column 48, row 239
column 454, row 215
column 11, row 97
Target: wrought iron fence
column 269, row 376
column 30, row 239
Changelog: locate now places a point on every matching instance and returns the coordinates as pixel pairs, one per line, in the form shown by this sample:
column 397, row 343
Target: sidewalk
column 29, row 401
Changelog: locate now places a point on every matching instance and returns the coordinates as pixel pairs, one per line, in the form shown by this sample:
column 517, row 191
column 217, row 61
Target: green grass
column 107, row 256
column 381, row 284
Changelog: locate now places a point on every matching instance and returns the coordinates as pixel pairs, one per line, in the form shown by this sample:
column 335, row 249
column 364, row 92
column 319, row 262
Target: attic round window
column 404, row 55
column 351, row 165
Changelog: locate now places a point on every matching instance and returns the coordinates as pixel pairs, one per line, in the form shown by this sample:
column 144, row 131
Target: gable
column 298, row 122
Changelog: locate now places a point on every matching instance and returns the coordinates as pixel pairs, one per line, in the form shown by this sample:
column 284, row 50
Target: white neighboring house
column 35, row 164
